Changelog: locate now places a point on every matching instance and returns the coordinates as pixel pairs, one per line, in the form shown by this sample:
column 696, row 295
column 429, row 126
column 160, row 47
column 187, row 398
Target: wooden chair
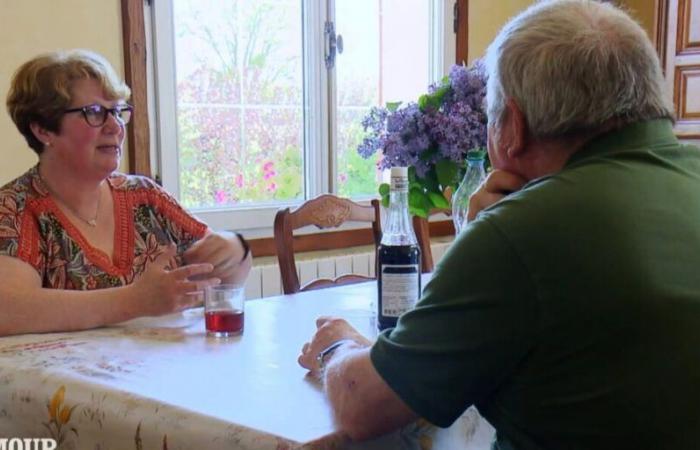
column 325, row 211
column 421, row 227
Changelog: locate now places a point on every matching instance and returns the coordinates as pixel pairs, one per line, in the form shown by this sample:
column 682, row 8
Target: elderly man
column 568, row 311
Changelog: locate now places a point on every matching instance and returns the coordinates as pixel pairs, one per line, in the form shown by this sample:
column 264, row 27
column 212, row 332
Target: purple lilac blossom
column 456, row 127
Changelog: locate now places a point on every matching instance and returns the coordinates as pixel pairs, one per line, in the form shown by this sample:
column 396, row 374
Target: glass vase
column 473, row 177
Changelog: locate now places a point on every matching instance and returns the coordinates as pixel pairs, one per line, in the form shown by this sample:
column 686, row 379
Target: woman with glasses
column 82, row 245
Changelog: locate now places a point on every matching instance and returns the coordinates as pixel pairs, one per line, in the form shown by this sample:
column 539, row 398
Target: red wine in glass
column 224, row 323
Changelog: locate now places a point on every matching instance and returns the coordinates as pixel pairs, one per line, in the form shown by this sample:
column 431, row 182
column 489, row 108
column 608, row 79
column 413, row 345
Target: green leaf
column 438, row 200
column 392, row 106
column 428, row 153
column 439, row 95
column 419, row 202
column 422, row 101
column 385, row 201
column 446, row 172
column 432, row 101
column 411, row 174
column 384, row 189
column 418, row 212
column 430, row 181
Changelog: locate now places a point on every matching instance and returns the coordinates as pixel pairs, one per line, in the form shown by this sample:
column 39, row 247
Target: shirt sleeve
column 19, row 235
column 9, row 224
column 181, row 226
column 473, row 325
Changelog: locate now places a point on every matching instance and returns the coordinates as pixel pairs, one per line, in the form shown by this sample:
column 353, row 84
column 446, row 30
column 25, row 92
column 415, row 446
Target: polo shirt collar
column 645, row 134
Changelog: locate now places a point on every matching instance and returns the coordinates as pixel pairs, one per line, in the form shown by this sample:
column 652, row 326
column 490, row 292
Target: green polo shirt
column 569, row 312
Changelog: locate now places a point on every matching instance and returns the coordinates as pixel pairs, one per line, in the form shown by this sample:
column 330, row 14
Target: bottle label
column 400, row 288
column 399, row 184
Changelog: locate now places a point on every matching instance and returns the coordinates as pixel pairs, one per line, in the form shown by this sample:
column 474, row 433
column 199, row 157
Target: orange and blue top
column 147, row 219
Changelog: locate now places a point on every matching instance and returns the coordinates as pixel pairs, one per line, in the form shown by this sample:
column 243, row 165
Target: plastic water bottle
column 473, row 178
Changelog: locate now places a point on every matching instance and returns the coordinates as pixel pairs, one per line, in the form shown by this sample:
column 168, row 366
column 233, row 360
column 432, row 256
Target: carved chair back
column 325, row 211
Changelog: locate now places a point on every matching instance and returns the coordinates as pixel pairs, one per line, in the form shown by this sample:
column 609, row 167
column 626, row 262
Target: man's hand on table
column 329, row 330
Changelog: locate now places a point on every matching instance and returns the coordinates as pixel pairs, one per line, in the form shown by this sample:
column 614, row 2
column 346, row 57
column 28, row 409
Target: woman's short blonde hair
column 40, row 91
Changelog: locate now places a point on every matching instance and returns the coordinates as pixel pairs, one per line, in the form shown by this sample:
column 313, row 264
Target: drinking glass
column 223, row 310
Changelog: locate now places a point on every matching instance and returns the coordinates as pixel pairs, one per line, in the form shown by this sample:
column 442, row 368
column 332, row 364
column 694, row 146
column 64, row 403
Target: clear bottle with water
column 473, row 177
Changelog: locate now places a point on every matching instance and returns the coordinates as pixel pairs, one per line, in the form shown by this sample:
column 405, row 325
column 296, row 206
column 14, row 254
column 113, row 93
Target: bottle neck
column 475, row 171
column 476, row 163
column 398, row 229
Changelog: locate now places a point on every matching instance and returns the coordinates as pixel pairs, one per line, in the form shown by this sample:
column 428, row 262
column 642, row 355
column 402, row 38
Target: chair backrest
column 325, row 211
column 421, row 227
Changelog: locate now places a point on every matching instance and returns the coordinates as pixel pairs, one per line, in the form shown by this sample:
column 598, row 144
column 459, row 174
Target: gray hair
column 573, row 65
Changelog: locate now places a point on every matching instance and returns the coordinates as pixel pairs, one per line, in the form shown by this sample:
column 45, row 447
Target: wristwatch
column 326, row 353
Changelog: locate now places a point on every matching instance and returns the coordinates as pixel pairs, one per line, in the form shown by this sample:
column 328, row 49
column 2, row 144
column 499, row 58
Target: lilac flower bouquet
column 432, row 137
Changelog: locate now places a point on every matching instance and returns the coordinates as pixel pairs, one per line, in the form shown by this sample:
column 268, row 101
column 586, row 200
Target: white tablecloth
column 162, row 383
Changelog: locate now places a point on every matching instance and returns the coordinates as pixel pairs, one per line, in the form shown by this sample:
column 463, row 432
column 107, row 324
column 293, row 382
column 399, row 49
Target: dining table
column 163, row 383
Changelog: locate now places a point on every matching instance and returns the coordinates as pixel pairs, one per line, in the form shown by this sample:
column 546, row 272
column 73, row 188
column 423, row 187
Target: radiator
column 265, row 281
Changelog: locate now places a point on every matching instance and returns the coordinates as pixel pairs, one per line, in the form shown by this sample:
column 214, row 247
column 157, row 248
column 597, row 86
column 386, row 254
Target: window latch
column 334, row 44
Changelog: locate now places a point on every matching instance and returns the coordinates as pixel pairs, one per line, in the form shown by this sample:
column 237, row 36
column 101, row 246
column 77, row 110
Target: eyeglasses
column 96, row 115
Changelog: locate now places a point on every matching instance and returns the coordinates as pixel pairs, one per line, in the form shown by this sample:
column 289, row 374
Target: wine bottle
column 398, row 257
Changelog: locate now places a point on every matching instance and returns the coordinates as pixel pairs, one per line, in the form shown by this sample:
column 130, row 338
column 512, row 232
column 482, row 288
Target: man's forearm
column 363, row 404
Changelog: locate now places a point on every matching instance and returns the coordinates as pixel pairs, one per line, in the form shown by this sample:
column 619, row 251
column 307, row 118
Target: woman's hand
column 498, row 184
column 160, row 291
column 224, row 251
column 328, row 331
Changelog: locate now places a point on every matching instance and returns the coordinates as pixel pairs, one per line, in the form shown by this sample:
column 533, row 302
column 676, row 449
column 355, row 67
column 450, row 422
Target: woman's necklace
column 91, row 222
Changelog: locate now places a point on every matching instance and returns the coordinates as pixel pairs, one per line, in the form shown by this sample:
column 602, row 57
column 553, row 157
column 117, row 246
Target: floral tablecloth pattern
column 163, row 384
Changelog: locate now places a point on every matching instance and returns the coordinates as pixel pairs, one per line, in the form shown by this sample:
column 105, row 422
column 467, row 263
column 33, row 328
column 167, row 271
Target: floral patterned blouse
column 35, row 230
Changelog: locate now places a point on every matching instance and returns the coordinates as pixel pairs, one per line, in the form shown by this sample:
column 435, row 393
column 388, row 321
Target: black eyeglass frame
column 116, row 112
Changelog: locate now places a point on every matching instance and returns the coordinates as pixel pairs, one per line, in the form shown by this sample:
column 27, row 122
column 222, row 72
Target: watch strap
column 326, row 353
column 246, row 246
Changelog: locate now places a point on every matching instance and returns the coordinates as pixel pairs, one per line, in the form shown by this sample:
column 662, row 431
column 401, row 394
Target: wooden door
column 678, row 42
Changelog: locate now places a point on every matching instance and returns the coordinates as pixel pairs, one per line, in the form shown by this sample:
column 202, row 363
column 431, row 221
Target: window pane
column 386, row 59
column 209, row 152
column 239, row 101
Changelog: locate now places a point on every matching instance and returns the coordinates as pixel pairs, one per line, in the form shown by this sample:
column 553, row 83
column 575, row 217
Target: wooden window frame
column 461, row 29
column 134, row 38
column 138, row 135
